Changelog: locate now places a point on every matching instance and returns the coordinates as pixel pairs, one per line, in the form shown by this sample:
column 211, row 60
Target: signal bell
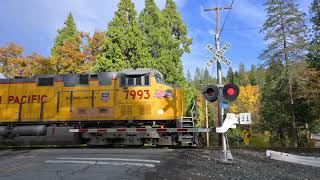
column 230, row 92
column 211, row 93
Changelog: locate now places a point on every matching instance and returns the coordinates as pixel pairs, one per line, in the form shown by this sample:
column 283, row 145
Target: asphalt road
column 80, row 164
column 149, row 164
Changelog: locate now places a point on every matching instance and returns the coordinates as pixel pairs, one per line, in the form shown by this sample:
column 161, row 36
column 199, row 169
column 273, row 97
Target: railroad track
column 282, row 149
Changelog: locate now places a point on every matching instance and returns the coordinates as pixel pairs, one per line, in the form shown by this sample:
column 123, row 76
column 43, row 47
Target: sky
column 33, row 25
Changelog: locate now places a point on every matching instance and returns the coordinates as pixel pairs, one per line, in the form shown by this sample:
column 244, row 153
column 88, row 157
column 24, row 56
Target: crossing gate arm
column 304, row 160
column 138, row 130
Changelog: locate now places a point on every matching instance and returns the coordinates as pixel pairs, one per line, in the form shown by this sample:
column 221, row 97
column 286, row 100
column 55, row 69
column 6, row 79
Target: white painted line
column 110, row 159
column 102, row 163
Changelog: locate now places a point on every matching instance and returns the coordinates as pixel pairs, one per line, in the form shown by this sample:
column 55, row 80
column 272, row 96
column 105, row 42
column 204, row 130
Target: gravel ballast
column 199, row 164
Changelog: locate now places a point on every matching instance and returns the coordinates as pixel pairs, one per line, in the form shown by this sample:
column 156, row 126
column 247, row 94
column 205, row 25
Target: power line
column 225, row 20
column 242, row 29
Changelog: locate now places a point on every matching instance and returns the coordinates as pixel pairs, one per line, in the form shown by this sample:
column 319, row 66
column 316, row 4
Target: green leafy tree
column 151, row 24
column 124, row 45
column 314, row 50
column 285, row 28
column 176, row 44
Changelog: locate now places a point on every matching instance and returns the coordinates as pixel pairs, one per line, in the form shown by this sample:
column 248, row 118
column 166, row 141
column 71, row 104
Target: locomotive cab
column 146, row 97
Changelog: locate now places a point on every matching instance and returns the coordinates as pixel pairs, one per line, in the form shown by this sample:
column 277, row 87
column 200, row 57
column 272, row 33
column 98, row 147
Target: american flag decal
column 163, row 94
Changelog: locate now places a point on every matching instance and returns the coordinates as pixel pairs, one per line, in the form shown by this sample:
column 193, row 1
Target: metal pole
column 219, row 79
column 207, row 124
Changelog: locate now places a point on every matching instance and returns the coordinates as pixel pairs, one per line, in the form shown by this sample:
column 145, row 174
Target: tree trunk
column 294, row 132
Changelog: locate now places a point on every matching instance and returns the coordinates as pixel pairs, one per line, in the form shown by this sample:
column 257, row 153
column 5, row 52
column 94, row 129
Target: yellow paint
column 116, row 108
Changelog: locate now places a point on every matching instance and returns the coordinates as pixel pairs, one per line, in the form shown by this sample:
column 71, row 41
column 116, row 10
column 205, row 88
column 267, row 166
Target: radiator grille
column 148, row 109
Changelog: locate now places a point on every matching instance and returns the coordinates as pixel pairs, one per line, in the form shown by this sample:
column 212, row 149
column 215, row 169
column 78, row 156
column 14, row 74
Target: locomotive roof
column 129, row 72
column 140, row 71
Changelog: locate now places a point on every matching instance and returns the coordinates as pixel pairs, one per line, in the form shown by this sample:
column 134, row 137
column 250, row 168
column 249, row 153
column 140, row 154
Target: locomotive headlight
column 160, row 112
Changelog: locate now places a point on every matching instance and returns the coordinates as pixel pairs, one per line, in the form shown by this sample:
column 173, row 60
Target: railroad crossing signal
column 229, row 92
column 218, row 55
column 211, row 93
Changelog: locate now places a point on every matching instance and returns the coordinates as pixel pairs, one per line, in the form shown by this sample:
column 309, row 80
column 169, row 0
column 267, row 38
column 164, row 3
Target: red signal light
column 230, row 92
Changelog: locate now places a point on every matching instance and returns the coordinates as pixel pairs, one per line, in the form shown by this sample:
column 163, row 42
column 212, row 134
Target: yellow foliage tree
column 248, row 101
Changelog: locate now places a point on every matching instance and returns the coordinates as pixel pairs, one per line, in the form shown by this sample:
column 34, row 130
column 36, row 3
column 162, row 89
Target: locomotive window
column 159, row 79
column 123, row 81
column 146, row 80
column 131, row 81
column 84, row 80
column 138, row 81
column 45, row 82
column 105, row 78
column 94, row 76
column 135, row 80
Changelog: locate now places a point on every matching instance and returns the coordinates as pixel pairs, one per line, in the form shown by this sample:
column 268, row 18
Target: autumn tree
column 124, row 45
column 69, row 53
column 37, row 64
column 69, row 58
column 94, row 45
column 248, row 101
column 12, row 62
column 284, row 28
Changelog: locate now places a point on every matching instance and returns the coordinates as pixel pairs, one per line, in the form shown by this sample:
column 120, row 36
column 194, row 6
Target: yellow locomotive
column 107, row 101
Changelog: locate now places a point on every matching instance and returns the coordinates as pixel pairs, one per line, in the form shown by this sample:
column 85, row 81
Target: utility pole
column 222, row 138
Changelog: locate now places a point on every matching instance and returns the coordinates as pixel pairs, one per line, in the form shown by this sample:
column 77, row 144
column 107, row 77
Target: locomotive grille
column 129, row 110
column 123, row 110
column 148, row 109
column 126, row 110
column 141, row 109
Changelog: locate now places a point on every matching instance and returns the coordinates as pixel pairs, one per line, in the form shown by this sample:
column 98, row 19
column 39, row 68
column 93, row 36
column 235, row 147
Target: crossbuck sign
column 219, row 55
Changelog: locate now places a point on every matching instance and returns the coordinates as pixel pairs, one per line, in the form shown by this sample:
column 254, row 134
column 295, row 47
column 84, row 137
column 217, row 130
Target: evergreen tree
column 236, row 78
column 67, row 33
column 260, row 76
column 243, row 75
column 230, row 75
column 314, row 50
column 176, row 44
column 285, row 29
column 274, row 114
column 189, row 78
column 197, row 75
column 124, row 46
column 206, row 77
column 151, row 24
column 253, row 75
